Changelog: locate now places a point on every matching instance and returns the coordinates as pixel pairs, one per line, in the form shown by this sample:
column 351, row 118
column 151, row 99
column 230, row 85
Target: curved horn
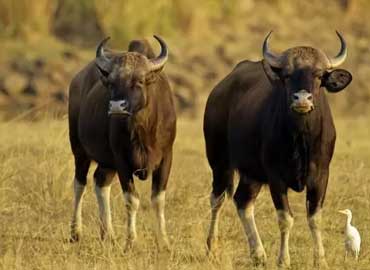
column 158, row 62
column 102, row 61
column 272, row 58
column 341, row 56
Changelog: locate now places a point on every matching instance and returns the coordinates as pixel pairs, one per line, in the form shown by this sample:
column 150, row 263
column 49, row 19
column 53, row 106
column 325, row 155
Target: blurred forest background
column 44, row 43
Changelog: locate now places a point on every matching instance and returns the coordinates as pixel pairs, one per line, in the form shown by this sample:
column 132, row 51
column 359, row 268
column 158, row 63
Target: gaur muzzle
column 118, row 107
column 302, row 102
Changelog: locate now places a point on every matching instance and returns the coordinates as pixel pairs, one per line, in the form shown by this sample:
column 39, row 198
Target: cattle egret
column 352, row 241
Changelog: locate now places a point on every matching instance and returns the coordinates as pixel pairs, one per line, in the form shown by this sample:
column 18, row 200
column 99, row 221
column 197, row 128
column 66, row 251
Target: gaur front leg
column 244, row 198
column 132, row 201
column 103, row 180
column 132, row 205
column 82, row 164
column 315, row 199
column 160, row 179
column 279, row 196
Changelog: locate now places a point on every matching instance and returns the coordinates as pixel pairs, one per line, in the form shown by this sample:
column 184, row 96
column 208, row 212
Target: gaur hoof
column 75, row 237
column 211, row 245
column 259, row 258
column 284, row 262
column 129, row 245
column 142, row 174
column 163, row 244
column 320, row 264
column 283, row 265
column 107, row 237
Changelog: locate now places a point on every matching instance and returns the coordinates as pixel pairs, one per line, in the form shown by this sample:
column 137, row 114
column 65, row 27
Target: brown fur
column 144, row 128
column 125, row 144
column 249, row 127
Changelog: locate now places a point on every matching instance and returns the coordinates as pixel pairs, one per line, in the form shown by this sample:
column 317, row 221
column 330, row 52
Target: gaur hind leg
column 160, row 179
column 315, row 200
column 244, row 198
column 82, row 164
column 222, row 183
column 285, row 219
column 103, row 179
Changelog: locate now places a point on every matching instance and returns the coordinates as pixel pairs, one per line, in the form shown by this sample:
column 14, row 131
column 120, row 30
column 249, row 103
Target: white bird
column 352, row 240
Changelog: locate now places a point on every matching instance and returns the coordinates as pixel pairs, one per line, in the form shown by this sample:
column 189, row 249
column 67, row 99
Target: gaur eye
column 139, row 83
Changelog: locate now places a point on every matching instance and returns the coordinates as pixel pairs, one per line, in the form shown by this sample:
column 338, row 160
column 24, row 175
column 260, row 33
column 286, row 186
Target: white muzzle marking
column 302, row 102
column 118, row 107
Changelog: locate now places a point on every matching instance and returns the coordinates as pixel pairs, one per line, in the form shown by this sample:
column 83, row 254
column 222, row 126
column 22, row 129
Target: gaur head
column 128, row 76
column 304, row 71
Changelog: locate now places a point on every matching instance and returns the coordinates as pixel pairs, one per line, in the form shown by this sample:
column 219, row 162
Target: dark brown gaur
column 270, row 121
column 121, row 115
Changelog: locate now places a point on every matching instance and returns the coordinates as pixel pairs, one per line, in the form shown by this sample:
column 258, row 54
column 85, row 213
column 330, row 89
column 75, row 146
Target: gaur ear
column 336, row 80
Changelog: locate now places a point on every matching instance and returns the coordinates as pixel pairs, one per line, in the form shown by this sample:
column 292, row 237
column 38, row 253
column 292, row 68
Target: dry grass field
column 36, row 205
column 43, row 43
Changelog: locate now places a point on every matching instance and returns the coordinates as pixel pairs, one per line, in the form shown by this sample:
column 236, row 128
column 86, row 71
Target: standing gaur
column 122, row 115
column 270, row 121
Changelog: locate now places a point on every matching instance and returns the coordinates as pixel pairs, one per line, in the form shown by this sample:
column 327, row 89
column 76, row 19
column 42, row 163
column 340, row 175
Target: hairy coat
column 270, row 120
column 122, row 115
column 254, row 127
column 143, row 138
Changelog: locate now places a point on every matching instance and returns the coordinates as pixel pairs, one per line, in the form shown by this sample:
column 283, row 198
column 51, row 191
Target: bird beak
column 342, row 212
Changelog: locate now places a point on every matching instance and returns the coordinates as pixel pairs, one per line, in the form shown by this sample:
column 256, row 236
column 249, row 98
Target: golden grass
column 36, row 163
column 36, row 204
